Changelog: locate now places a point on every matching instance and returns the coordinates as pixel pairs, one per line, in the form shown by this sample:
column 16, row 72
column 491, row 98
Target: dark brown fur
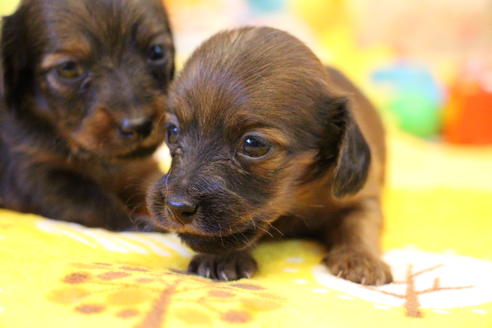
column 76, row 142
column 322, row 175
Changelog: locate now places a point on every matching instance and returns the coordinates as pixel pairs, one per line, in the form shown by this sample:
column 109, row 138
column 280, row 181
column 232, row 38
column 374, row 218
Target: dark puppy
column 268, row 142
column 83, row 91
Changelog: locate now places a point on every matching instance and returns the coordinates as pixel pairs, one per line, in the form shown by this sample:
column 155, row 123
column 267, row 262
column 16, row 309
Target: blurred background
column 425, row 63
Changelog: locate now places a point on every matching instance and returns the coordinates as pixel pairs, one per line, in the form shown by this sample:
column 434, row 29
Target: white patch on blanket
column 125, row 242
column 440, row 280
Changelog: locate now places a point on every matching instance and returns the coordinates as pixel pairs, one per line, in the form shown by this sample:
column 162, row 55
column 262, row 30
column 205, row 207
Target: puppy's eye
column 70, row 70
column 255, row 146
column 157, row 54
column 172, row 134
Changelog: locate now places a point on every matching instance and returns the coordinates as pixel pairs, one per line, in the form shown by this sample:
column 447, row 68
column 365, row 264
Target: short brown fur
column 320, row 173
column 83, row 88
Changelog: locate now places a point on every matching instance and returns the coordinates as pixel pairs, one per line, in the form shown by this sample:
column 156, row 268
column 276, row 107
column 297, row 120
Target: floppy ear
column 15, row 54
column 345, row 148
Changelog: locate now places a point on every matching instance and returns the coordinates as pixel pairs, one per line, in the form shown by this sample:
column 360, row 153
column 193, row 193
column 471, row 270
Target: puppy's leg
column 353, row 240
column 137, row 180
column 225, row 267
column 66, row 195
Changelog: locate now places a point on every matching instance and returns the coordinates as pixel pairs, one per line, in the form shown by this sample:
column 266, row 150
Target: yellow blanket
column 438, row 241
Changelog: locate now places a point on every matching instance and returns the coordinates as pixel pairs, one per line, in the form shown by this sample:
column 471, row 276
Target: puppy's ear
column 345, row 148
column 15, row 52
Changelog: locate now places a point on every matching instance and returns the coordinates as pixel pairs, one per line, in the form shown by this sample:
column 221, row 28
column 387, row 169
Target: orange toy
column 468, row 115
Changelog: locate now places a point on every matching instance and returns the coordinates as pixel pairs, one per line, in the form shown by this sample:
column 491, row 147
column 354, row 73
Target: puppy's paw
column 226, row 267
column 358, row 266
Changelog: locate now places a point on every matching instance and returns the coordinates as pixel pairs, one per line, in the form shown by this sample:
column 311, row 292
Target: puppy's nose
column 182, row 208
column 136, row 127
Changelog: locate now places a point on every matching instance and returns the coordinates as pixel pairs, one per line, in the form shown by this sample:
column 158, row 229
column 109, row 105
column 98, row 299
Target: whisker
column 267, row 231
column 166, row 183
column 275, row 228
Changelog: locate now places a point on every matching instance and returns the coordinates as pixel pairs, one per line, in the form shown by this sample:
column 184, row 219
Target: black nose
column 182, row 208
column 136, row 127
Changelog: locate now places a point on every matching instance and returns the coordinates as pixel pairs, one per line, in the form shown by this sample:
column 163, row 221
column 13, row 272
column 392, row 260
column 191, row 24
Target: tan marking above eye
column 73, row 50
column 164, row 39
column 53, row 60
column 171, row 118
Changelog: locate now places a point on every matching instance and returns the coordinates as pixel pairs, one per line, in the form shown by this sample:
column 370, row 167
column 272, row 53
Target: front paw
column 226, row 267
column 358, row 266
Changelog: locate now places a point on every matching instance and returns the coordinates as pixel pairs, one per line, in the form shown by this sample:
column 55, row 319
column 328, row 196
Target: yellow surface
column 62, row 275
column 8, row 6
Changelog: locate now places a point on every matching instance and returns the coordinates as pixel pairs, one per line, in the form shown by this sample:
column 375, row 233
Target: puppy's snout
column 140, row 127
column 184, row 209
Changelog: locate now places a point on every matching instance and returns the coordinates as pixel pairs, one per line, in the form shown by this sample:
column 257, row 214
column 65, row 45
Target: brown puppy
column 268, row 142
column 83, row 91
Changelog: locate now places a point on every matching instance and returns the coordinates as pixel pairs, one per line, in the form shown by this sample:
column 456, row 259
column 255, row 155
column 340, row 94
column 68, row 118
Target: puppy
column 266, row 142
column 83, row 86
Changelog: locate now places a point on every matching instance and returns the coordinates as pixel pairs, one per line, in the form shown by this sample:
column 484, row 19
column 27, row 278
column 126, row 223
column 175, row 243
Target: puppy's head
column 251, row 121
column 94, row 71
